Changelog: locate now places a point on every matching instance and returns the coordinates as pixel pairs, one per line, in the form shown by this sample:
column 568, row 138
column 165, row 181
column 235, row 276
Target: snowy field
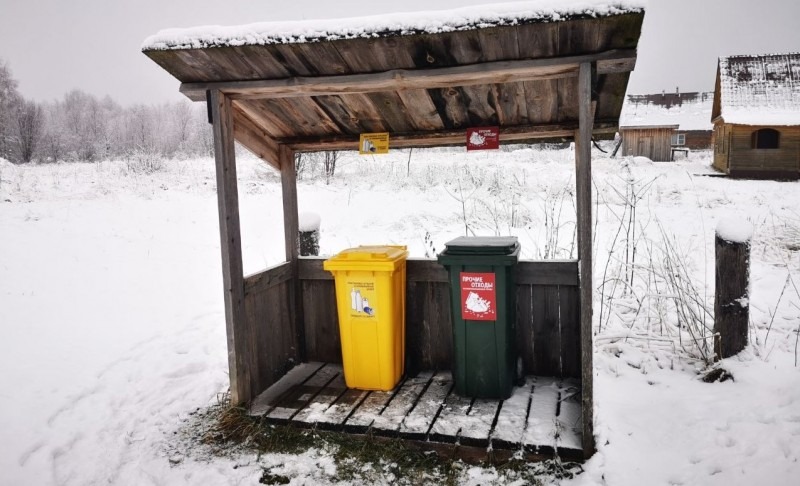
column 112, row 325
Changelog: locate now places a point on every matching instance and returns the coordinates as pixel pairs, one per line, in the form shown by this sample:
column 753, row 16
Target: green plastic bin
column 483, row 296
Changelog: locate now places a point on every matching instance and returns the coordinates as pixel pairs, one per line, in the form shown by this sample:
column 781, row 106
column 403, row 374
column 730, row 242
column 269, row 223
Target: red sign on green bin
column 478, row 296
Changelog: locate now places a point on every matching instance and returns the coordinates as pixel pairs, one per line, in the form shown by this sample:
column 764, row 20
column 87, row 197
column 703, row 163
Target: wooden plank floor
column 541, row 417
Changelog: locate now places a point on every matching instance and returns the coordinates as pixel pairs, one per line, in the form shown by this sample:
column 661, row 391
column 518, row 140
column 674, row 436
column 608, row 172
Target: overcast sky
column 53, row 46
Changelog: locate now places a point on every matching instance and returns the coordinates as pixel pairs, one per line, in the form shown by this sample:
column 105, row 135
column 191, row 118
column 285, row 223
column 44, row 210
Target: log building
column 756, row 116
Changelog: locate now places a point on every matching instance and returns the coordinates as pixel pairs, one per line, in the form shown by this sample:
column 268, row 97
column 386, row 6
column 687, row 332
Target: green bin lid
column 482, row 245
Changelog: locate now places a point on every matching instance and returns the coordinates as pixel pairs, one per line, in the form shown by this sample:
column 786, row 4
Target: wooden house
column 658, row 126
column 283, row 88
column 756, row 116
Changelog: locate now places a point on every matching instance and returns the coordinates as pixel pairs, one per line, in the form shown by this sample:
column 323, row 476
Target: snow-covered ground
column 112, row 325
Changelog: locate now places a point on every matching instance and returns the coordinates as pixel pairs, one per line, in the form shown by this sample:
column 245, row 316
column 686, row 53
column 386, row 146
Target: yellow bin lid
column 371, row 257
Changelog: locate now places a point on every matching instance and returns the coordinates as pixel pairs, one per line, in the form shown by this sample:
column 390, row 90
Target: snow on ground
column 112, row 325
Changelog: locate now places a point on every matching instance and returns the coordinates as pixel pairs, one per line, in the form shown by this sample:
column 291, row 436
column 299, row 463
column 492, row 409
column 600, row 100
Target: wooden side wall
column 271, row 339
column 653, row 143
column 721, row 145
column 746, row 161
column 548, row 313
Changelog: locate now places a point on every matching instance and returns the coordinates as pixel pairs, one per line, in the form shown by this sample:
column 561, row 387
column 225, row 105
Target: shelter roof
column 758, row 90
column 685, row 111
column 424, row 78
column 407, row 23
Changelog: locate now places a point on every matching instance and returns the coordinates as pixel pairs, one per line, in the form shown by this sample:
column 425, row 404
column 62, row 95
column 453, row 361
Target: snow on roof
column 466, row 18
column 687, row 111
column 760, row 90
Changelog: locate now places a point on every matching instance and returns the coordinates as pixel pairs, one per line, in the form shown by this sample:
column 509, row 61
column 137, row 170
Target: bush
column 144, row 162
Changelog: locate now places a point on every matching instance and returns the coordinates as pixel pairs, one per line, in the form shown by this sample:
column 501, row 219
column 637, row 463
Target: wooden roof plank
column 537, row 40
column 450, row 106
column 499, row 44
column 611, row 89
column 395, row 112
column 261, row 58
column 578, row 36
column 367, row 117
column 463, row 49
column 290, row 59
column 247, row 132
column 180, row 70
column 620, row 32
column 449, row 137
column 376, row 55
column 465, row 104
column 467, row 75
column 306, row 116
column 324, row 58
column 567, row 101
column 268, row 116
column 425, row 118
column 542, row 101
column 510, row 103
column 480, row 104
column 204, row 65
column 339, row 112
column 231, row 64
column 194, row 68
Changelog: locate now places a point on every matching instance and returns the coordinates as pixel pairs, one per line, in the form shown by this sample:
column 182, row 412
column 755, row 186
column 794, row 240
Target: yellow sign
column 373, row 143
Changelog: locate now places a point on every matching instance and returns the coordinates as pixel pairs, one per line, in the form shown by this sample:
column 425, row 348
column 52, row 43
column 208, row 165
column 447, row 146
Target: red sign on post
column 478, row 297
column 486, row 138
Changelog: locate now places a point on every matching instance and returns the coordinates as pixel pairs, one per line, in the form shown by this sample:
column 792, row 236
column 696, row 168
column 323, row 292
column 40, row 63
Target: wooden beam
column 497, row 72
column 253, row 138
column 231, row 246
column 450, row 137
column 528, row 272
column 266, row 279
column 290, row 213
column 291, row 241
column 583, row 196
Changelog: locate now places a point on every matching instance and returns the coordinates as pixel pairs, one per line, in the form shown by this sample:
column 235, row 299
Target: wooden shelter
column 280, row 89
column 657, row 126
column 756, row 116
column 651, row 141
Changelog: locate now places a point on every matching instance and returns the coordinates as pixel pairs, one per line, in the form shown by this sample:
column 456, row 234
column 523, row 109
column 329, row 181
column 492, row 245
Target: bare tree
column 29, row 129
column 9, row 99
column 330, row 165
column 300, row 162
column 83, row 127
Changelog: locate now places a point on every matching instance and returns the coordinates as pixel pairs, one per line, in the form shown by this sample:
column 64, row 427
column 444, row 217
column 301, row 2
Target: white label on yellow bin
column 362, row 298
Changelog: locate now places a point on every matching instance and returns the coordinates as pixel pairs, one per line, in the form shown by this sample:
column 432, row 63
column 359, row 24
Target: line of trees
column 83, row 127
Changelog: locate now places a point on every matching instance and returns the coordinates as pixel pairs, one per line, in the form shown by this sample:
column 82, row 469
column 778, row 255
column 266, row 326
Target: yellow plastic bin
column 371, row 297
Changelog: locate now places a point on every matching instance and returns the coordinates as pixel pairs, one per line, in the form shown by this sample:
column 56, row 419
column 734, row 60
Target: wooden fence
column 548, row 319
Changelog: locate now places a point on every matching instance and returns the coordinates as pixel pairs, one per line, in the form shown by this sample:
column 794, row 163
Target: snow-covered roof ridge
column 466, row 18
column 689, row 111
column 760, row 90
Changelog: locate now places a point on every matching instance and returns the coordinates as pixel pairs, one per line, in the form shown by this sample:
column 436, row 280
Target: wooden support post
column 583, row 196
column 231, row 246
column 731, row 306
column 290, row 214
column 290, row 228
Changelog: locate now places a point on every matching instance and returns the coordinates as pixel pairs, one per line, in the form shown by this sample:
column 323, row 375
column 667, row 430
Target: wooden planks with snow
column 543, row 416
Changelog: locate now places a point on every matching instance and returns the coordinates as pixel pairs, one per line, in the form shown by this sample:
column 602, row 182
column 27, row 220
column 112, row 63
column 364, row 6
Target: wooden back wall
column 548, row 316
